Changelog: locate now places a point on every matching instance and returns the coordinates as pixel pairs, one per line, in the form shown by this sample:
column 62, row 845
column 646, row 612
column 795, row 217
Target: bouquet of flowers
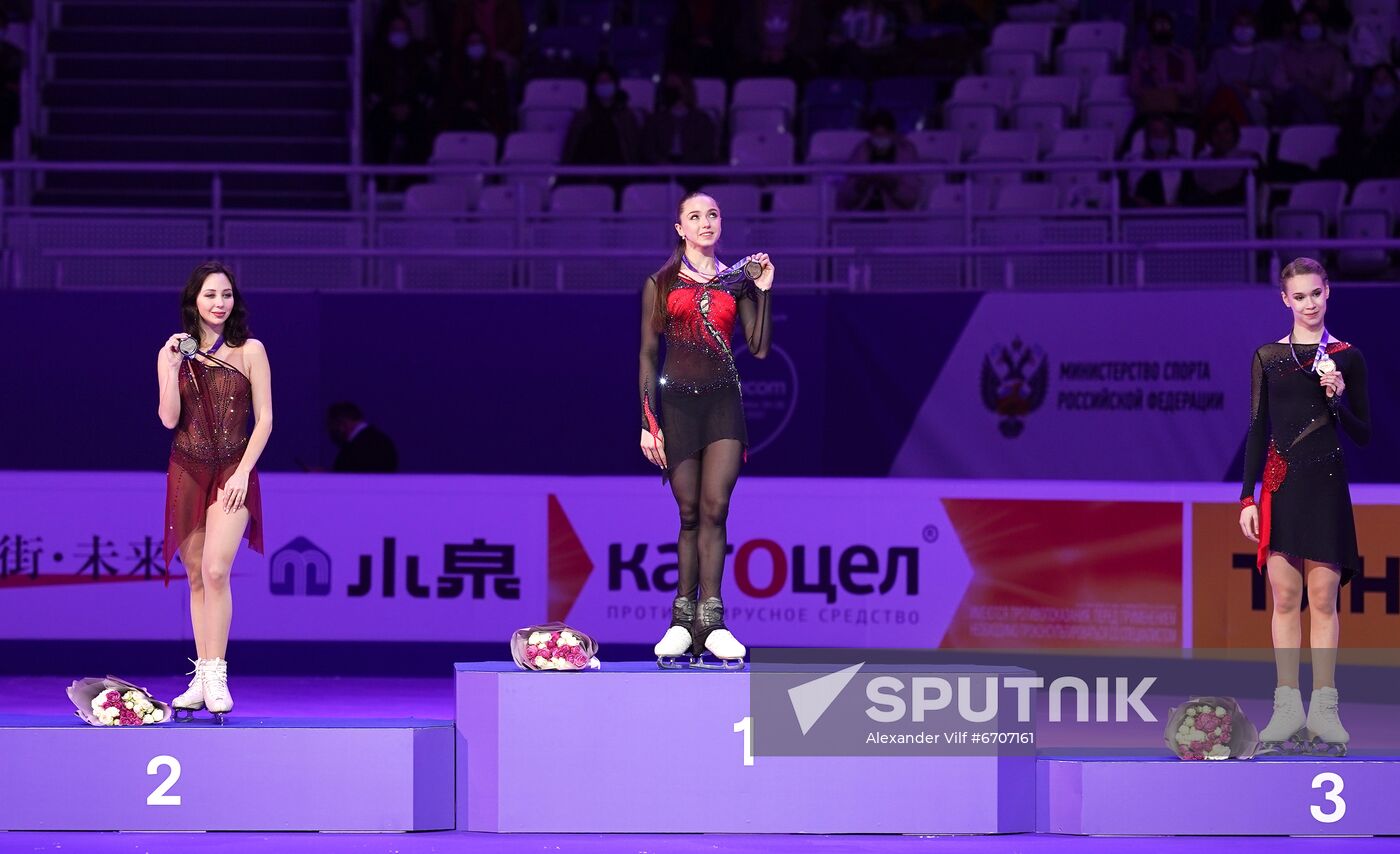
column 553, row 646
column 116, row 702
column 1211, row 728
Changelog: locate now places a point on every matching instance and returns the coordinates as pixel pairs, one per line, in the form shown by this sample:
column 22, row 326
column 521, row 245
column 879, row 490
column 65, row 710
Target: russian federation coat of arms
column 1014, row 381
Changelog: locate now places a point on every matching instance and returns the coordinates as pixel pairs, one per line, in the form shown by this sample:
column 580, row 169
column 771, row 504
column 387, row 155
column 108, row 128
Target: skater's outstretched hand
column 654, row 448
column 1249, row 522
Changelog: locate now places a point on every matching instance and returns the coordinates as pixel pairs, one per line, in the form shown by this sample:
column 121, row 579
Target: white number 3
column 1334, row 796
column 159, row 798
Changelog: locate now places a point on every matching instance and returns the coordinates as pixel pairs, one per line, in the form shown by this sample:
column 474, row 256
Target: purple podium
column 636, row 749
column 1139, row 795
column 252, row 774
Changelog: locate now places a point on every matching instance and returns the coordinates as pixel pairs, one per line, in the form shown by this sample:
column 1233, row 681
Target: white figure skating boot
column 716, row 639
column 192, row 700
column 217, row 698
column 1285, row 733
column 673, row 650
column 1326, row 735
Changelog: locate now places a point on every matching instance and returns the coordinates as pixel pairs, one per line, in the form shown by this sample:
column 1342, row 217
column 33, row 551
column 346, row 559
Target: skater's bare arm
column 652, row 441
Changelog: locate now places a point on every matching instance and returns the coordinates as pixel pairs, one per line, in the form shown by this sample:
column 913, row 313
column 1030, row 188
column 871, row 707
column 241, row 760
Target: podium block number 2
column 159, row 798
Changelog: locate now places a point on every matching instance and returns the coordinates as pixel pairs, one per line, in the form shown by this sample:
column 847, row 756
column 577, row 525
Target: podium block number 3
column 159, row 798
column 1328, row 778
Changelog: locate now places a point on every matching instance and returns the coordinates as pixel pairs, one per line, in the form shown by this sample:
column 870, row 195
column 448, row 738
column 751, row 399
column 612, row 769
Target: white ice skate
column 1326, row 735
column 1285, row 735
column 217, row 699
column 719, row 642
column 674, row 648
column 192, row 700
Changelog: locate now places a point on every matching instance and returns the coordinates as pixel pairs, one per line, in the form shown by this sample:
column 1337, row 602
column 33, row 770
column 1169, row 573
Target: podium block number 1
column 159, row 798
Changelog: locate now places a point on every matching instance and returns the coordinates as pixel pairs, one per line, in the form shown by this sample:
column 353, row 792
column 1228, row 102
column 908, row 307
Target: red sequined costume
column 1293, row 441
column 697, row 399
column 216, row 406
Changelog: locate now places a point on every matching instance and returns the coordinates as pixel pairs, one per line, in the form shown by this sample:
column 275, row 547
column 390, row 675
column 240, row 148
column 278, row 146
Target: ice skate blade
column 1295, row 745
column 182, row 714
column 700, row 662
column 1333, row 749
column 219, row 717
column 673, row 662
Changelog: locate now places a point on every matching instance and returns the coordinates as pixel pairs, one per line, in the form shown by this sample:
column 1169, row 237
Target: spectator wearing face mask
column 399, row 97
column 1311, row 75
column 678, row 131
column 1279, row 19
column 474, row 89
column 1237, row 80
column 605, row 132
column 881, row 192
column 1219, row 186
column 1157, row 187
column 422, row 17
column 1163, row 73
column 1369, row 146
column 501, row 25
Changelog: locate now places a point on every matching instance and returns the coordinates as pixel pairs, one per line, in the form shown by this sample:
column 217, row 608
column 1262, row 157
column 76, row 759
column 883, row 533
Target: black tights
column 702, row 485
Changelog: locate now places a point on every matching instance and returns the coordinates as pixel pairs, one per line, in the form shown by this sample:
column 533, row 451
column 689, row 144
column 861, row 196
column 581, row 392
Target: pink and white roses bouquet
column 553, row 646
column 116, row 702
column 1211, row 728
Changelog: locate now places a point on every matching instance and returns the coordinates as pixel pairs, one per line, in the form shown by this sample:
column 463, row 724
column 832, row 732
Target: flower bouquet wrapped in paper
column 1211, row 728
column 116, row 702
column 553, row 646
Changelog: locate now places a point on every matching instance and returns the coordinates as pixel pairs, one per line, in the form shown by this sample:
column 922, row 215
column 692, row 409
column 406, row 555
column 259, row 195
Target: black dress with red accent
column 697, row 400
column 1294, row 442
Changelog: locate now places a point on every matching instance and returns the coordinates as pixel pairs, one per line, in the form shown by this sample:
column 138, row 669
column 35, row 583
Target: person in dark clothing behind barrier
column 363, row 447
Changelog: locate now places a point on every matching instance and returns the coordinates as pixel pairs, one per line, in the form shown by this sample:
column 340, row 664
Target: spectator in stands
column 1156, row 187
column 1163, row 73
column 363, row 447
column 474, row 89
column 399, row 99
column 1219, row 186
column 678, row 131
column 500, row 24
column 779, row 38
column 11, row 69
column 1369, row 146
column 1237, row 83
column 1279, row 19
column 881, row 192
column 605, row 131
column 864, row 38
column 702, row 33
column 1311, row 75
column 423, row 19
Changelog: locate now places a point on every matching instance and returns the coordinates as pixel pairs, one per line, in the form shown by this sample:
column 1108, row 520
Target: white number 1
column 746, row 727
column 159, row 798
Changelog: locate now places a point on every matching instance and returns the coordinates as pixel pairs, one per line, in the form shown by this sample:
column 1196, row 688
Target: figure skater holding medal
column 1307, row 389
column 693, row 415
column 213, row 379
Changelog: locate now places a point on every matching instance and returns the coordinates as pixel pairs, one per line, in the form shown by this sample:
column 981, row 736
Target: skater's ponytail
column 666, row 276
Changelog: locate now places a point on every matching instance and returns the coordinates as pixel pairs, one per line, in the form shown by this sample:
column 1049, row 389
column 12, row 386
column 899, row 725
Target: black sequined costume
column 1293, row 441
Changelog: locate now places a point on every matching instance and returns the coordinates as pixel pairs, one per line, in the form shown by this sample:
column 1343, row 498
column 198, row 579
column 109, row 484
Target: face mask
column 475, row 52
column 1310, row 33
column 1159, row 146
column 1384, row 91
column 398, row 40
column 882, row 143
column 1244, row 35
column 605, row 91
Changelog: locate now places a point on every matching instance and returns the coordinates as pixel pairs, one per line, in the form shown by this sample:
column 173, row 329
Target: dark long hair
column 235, row 326
column 671, row 269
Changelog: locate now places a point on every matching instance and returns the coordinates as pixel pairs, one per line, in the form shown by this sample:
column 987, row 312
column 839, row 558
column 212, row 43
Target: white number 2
column 1334, row 796
column 159, row 798
column 746, row 727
